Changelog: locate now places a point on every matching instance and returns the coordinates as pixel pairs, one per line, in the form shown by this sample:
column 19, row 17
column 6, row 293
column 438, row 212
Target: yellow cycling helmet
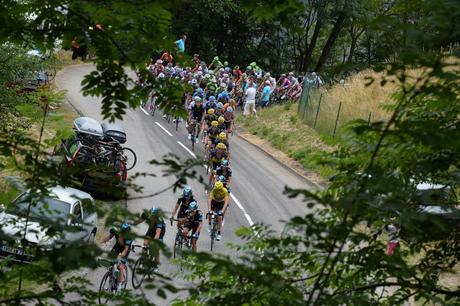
column 219, row 185
column 221, row 119
column 214, row 123
column 223, row 136
column 221, row 146
column 211, row 111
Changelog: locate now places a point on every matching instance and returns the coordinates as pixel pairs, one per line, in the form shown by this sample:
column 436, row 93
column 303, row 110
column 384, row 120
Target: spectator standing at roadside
column 166, row 58
column 250, row 94
column 180, row 43
column 78, row 50
column 265, row 95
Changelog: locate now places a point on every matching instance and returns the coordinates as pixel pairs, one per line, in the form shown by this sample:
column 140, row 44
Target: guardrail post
column 317, row 111
column 337, row 119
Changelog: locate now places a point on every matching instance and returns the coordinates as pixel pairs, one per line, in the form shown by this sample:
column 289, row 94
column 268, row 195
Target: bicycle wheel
column 140, row 271
column 177, row 245
column 131, row 157
column 105, row 288
column 213, row 237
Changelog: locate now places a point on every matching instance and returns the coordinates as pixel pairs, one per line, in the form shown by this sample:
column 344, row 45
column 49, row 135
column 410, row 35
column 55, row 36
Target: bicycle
column 109, row 282
column 192, row 131
column 181, row 240
column 144, row 266
column 213, row 227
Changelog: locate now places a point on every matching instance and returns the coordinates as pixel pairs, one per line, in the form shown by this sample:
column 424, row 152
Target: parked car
column 70, row 211
column 94, row 156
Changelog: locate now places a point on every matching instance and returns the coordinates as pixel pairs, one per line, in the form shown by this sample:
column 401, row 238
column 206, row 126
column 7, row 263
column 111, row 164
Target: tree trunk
column 331, row 40
column 312, row 45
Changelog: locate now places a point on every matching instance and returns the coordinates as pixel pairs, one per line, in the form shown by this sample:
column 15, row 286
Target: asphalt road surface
column 258, row 180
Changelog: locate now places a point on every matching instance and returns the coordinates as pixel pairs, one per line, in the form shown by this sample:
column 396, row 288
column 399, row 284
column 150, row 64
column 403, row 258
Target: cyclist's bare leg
column 194, row 248
column 122, row 276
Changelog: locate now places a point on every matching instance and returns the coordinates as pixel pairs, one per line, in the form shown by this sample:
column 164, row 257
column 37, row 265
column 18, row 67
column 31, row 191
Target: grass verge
column 281, row 127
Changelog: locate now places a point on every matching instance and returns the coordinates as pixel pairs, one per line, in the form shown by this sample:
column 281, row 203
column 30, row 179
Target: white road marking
column 145, row 112
column 167, row 132
column 186, row 149
column 248, row 217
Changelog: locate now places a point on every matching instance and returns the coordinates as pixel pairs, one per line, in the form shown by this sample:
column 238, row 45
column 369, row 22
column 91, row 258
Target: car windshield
column 433, row 197
column 46, row 207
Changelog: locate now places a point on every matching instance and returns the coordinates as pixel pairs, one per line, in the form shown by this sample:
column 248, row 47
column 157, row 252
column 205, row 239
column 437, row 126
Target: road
column 257, row 189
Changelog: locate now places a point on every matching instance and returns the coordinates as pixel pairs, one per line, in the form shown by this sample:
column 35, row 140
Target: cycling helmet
column 161, row 75
column 211, row 111
column 236, row 67
column 222, row 136
column 283, row 75
column 225, row 163
column 214, row 123
column 223, row 85
column 267, row 74
column 225, row 63
column 218, row 185
column 125, row 227
column 267, row 82
column 212, row 98
column 216, row 58
column 222, row 179
column 187, row 191
column 221, row 146
column 227, row 69
column 248, row 68
column 221, row 119
column 192, row 206
column 291, row 73
column 159, row 61
column 229, row 109
column 154, row 210
column 197, row 99
column 220, row 105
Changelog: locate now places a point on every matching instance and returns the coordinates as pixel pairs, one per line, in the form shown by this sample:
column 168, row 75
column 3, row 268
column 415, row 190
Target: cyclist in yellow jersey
column 212, row 133
column 218, row 203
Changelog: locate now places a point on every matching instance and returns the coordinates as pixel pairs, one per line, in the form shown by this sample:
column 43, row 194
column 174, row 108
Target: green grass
column 281, row 127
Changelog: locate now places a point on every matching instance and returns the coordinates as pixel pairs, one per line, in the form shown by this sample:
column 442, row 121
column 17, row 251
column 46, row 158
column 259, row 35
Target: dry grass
column 360, row 98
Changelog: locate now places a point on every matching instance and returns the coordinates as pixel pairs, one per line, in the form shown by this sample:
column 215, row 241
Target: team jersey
column 153, row 225
column 210, row 118
column 215, row 158
column 197, row 112
column 211, row 87
column 196, row 219
column 227, row 174
column 210, row 104
column 116, row 232
column 217, row 140
column 229, row 116
column 183, row 204
column 212, row 134
column 219, row 195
